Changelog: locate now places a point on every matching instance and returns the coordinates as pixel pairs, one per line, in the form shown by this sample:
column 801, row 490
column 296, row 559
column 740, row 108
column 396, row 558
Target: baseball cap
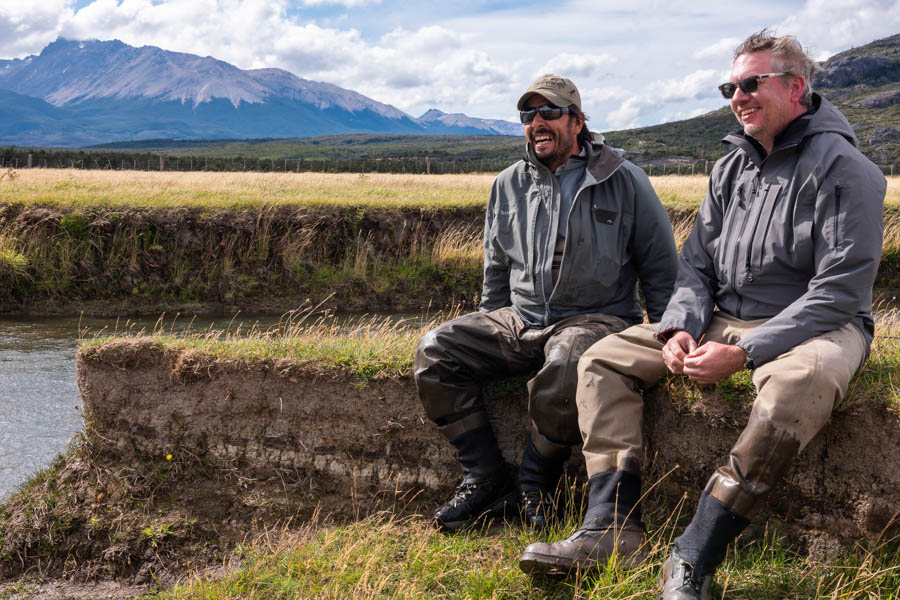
column 555, row 88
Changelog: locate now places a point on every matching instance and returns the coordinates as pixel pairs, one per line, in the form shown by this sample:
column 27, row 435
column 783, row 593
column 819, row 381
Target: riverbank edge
column 109, row 261
column 187, row 455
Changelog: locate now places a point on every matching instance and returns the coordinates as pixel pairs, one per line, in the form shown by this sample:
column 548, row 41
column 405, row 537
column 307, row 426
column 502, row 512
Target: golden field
column 74, row 187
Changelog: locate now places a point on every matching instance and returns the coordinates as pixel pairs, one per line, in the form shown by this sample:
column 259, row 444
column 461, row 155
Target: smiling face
column 553, row 141
column 768, row 110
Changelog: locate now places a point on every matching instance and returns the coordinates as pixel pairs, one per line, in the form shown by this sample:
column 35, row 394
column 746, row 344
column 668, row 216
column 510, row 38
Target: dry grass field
column 73, row 187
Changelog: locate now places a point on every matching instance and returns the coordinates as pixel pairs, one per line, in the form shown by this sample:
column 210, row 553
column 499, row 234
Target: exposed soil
column 186, row 456
column 110, row 261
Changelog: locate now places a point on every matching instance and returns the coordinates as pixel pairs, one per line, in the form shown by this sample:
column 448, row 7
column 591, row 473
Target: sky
column 636, row 62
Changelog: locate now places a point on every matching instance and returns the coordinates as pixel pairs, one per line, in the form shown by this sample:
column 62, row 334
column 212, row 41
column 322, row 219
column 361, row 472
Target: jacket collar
column 822, row 116
column 602, row 161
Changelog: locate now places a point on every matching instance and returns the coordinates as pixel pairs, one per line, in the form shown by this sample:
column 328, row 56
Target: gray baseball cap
column 555, row 88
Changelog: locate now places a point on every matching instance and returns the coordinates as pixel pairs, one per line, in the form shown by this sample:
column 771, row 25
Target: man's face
column 554, row 141
column 768, row 110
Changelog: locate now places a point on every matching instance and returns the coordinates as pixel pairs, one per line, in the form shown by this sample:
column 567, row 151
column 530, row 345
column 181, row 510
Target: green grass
column 365, row 346
column 385, row 556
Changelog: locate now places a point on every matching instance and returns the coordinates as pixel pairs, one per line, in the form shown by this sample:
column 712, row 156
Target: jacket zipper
column 747, row 265
column 837, row 213
column 747, row 208
column 562, row 259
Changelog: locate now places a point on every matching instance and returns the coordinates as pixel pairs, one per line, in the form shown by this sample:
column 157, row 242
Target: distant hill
column 107, row 91
column 864, row 83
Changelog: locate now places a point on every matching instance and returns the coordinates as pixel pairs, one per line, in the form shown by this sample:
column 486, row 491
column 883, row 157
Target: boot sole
column 535, row 563
column 498, row 510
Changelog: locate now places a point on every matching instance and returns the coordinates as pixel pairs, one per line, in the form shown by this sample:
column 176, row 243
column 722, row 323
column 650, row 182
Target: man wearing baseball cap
column 570, row 233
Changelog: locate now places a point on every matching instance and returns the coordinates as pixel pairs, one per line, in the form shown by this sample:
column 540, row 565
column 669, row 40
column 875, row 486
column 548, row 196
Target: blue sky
column 636, row 63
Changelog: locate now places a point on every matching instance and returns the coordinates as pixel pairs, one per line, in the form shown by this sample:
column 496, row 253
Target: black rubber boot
column 688, row 572
column 612, row 525
column 488, row 484
column 614, row 499
column 539, row 476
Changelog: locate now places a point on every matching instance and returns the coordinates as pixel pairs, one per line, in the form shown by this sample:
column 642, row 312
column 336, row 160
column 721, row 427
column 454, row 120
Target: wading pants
column 456, row 359
column 796, row 393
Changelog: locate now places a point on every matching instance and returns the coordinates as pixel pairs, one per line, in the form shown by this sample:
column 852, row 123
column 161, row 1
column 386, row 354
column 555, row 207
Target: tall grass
column 367, row 346
column 80, row 188
column 386, row 556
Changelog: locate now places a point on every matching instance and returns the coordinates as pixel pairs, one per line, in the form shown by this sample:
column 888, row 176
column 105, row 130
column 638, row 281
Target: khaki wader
column 796, row 394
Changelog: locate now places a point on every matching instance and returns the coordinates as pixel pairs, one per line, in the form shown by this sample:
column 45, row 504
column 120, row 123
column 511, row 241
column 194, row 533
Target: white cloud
column 626, row 116
column 345, row 3
column 825, row 27
column 576, row 66
column 723, row 48
column 26, row 27
column 692, row 86
column 698, row 85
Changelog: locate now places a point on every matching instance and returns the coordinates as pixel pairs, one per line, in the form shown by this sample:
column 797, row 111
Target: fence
column 414, row 164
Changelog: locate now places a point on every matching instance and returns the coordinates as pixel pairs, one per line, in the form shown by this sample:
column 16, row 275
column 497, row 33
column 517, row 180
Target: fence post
column 161, row 165
column 29, row 160
column 428, row 165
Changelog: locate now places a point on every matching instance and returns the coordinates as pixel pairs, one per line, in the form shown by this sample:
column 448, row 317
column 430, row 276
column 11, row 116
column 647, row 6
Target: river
column 41, row 406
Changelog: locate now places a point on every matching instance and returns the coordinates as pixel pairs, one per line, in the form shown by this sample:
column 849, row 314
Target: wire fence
column 411, row 164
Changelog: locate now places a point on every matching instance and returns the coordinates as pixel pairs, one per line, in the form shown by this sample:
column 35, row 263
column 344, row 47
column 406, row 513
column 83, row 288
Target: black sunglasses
column 748, row 85
column 548, row 113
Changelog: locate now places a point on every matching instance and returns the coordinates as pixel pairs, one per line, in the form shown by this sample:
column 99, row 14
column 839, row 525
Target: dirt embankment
column 104, row 260
column 187, row 455
column 261, row 259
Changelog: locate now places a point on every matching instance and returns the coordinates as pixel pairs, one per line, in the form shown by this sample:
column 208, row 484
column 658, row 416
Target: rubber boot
column 612, row 524
column 488, row 484
column 539, row 476
column 688, row 572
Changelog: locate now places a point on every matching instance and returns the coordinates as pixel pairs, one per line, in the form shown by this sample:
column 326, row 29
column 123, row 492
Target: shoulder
column 514, row 174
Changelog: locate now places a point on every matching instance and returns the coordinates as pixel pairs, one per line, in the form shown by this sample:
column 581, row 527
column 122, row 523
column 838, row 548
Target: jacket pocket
column 760, row 251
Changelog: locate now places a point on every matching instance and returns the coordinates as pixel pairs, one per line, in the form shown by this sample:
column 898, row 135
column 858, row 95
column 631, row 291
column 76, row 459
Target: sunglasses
column 748, row 85
column 548, row 112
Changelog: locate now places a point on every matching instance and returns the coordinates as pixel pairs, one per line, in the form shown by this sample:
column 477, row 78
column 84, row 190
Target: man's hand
column 712, row 362
column 676, row 349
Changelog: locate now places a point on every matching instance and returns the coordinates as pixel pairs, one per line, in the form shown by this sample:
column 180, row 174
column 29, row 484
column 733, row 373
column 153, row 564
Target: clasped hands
column 710, row 362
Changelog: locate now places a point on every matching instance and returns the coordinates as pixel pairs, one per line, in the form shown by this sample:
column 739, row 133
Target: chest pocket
column 764, row 239
column 605, row 250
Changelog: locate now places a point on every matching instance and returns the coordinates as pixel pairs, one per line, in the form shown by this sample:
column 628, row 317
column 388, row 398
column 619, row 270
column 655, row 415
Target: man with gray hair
column 570, row 232
column 776, row 277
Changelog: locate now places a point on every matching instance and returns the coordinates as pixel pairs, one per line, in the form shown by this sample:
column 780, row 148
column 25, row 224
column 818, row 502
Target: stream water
column 40, row 407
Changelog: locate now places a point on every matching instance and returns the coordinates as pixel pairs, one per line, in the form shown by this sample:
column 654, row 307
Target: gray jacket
column 794, row 237
column 618, row 232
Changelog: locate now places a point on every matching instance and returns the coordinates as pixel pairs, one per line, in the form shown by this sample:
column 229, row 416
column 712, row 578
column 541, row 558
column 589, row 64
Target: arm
column 847, row 233
column 495, row 288
column 692, row 303
column 653, row 247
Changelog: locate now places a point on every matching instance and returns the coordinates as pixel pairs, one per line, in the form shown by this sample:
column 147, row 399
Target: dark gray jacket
column 618, row 232
column 794, row 237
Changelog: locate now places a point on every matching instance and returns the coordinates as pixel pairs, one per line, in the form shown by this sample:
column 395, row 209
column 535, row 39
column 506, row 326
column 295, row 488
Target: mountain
column 863, row 82
column 107, row 91
column 434, row 118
